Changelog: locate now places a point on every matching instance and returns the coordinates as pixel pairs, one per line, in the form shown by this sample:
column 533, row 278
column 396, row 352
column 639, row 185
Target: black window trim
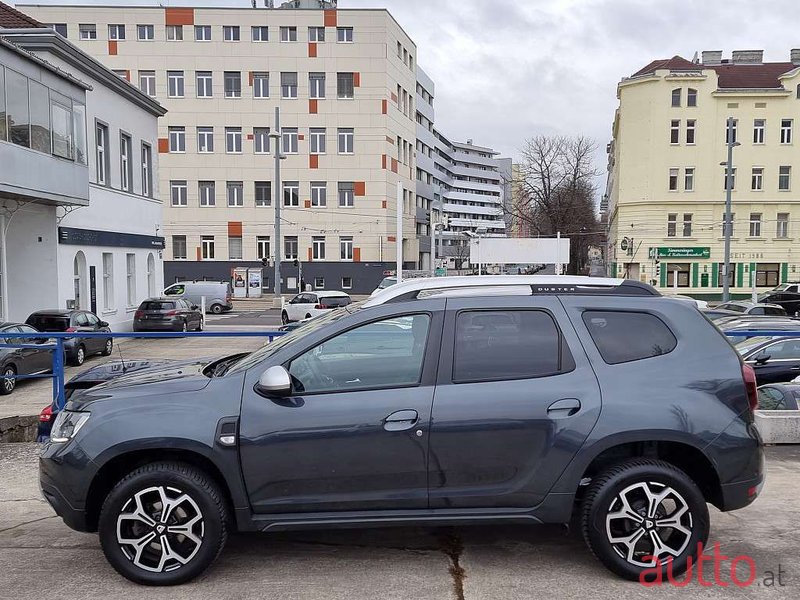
column 561, row 347
column 619, row 310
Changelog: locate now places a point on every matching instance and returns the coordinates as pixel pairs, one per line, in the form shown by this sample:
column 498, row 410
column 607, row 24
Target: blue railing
column 55, row 343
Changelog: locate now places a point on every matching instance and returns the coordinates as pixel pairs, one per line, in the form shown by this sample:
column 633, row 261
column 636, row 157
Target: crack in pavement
column 453, row 548
column 28, row 523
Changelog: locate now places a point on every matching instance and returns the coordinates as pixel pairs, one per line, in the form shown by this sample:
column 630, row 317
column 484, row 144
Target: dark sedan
column 167, row 314
column 76, row 349
column 21, row 361
column 775, row 359
column 779, row 396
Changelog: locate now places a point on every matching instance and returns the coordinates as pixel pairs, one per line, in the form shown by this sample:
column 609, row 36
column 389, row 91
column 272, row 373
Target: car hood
column 120, row 368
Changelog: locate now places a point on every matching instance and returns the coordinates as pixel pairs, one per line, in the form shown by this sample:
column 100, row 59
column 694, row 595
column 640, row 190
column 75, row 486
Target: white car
column 311, row 304
column 701, row 304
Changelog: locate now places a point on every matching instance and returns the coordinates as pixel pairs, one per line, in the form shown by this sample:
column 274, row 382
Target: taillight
column 46, row 415
column 138, row 314
column 170, row 313
column 749, row 376
column 70, row 330
column 320, row 307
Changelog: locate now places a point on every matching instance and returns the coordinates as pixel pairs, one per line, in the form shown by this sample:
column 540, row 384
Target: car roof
column 328, row 293
column 56, row 312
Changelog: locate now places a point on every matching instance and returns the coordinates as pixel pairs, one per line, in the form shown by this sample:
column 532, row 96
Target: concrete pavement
column 40, row 557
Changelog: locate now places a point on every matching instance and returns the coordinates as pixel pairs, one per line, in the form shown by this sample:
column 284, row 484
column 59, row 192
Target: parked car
column 753, row 308
column 167, row 314
column 701, row 304
column 787, row 296
column 779, row 396
column 775, row 359
column 718, row 315
column 218, row 295
column 574, row 393
column 21, row 361
column 76, row 349
column 313, row 304
column 385, row 282
column 731, row 326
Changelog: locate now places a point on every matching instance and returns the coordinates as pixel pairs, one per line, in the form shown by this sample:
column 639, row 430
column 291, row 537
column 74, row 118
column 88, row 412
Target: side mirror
column 195, row 307
column 762, row 360
column 275, row 381
column 103, row 323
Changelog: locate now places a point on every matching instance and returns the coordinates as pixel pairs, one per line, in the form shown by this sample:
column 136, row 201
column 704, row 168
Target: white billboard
column 518, row 251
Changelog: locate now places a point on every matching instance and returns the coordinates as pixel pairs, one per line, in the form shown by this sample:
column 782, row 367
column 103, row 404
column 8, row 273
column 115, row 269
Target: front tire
column 109, row 347
column 644, row 508
column 285, row 318
column 163, row 524
column 80, row 356
column 8, row 383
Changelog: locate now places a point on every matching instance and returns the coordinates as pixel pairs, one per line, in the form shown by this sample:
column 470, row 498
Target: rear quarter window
column 43, row 323
column 626, row 336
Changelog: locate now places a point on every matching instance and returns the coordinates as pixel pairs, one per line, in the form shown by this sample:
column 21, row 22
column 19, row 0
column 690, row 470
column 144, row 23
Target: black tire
column 199, row 325
column 604, row 498
column 285, row 318
column 217, row 309
column 8, row 385
column 308, row 316
column 79, row 357
column 177, row 480
column 108, row 348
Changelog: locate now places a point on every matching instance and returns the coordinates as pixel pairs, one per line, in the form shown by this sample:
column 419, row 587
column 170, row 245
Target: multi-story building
column 78, row 180
column 666, row 187
column 344, row 81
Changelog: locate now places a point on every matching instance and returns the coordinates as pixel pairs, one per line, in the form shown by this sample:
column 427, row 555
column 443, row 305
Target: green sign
column 688, row 252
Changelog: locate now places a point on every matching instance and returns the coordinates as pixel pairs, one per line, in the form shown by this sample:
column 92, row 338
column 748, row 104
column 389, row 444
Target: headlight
column 66, row 425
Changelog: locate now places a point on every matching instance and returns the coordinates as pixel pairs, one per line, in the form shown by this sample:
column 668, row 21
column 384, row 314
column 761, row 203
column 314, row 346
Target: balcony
column 32, row 176
column 475, row 172
column 475, row 223
column 494, row 211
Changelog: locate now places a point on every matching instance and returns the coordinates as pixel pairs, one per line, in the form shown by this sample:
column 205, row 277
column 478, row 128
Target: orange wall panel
column 163, row 145
column 235, row 228
column 312, row 50
column 112, row 47
column 360, row 188
column 356, row 254
column 179, row 16
column 330, row 18
column 313, row 107
column 313, row 161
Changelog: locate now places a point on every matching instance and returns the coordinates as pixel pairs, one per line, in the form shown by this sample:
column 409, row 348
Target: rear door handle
column 401, row 420
column 566, row 407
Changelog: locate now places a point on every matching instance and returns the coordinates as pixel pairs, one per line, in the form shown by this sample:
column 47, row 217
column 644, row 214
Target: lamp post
column 731, row 143
column 275, row 136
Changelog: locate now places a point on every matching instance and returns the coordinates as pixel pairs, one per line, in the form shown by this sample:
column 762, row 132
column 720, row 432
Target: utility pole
column 276, row 136
column 433, row 246
column 399, row 233
column 726, row 293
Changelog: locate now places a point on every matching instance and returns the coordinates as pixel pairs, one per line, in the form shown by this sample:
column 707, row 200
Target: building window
column 691, row 97
column 205, row 140
column 205, row 84
column 261, row 140
column 318, row 248
column 116, row 32
column 263, row 193
column 732, row 223
column 691, row 128
column 732, row 178
column 179, row 247
column 261, row 85
column 786, row 131
column 147, row 170
column 233, row 140
column 346, row 248
column 59, row 28
column 673, row 180
column 757, row 179
column 126, row 162
column 130, row 274
column 319, row 283
column 202, row 33
column 262, row 247
column 344, row 85
column 291, row 193
column 288, row 85
column 174, row 33
column 676, row 97
column 784, row 178
column 344, row 35
column 319, row 194
column 316, row 85
column 759, row 127
column 103, row 157
column 121, row 73
column 731, row 274
column 783, row 226
column 347, row 194
column 288, row 34
column 290, row 247
column 108, row 281
column 206, row 191
column 681, row 270
column 347, row 283
column 87, row 31
column 231, row 33
column 674, row 131
column 289, row 140
column 235, row 191
column 687, row 225
column 207, row 247
column 731, row 133
column 235, row 248
column 316, row 34
column 177, row 192
column 672, row 224
column 317, row 141
column 233, row 84
column 688, row 179
column 767, row 274
column 177, row 139
column 175, row 84
column 259, row 33
column 346, row 140
column 755, row 225
column 147, row 82
column 145, row 32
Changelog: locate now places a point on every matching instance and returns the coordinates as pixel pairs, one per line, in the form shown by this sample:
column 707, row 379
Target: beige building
column 345, row 83
column 665, row 197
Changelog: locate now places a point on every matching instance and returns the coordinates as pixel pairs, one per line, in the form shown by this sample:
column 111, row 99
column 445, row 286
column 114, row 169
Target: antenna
column 122, row 360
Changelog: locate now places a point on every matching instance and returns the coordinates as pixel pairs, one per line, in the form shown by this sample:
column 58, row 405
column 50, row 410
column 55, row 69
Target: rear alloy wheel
column 163, row 524
column 216, row 309
column 80, row 356
column 109, row 347
column 285, row 318
column 9, row 383
column 642, row 515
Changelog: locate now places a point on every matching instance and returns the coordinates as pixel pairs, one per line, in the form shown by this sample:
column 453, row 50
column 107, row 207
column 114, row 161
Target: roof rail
column 493, row 285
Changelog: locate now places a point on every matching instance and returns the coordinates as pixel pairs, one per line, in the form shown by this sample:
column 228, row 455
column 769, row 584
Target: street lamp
column 731, row 143
column 275, row 136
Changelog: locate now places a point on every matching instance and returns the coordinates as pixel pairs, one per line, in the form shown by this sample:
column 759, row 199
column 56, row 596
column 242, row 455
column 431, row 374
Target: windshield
column 387, row 281
column 782, row 287
column 747, row 345
column 311, row 325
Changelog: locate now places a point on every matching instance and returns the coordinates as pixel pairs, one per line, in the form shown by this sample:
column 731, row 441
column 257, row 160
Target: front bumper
column 65, row 474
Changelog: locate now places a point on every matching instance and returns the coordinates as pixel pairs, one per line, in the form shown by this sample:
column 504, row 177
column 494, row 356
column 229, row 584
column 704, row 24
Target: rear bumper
column 149, row 325
column 742, row 493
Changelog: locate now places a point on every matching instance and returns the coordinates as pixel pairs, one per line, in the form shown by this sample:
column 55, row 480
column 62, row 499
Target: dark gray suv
column 441, row 401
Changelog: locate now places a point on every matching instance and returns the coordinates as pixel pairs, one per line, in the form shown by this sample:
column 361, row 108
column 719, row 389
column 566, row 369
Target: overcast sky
column 506, row 70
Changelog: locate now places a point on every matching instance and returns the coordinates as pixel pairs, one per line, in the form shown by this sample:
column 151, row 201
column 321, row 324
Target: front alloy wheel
column 9, row 382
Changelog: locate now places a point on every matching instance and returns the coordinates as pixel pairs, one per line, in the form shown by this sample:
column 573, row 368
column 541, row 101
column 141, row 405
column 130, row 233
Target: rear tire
column 308, row 316
column 8, row 384
column 216, row 309
column 183, row 543
column 285, row 318
column 632, row 506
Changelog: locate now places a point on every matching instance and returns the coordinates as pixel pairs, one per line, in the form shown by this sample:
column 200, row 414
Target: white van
column 218, row 294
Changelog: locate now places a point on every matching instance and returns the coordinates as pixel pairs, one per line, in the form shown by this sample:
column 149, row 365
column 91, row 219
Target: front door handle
column 566, row 407
column 401, row 420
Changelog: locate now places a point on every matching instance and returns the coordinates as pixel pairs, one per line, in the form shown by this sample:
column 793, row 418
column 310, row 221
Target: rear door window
column 508, row 344
column 626, row 336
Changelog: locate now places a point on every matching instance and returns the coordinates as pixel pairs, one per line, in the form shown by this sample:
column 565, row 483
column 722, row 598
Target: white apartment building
column 78, row 180
column 344, row 81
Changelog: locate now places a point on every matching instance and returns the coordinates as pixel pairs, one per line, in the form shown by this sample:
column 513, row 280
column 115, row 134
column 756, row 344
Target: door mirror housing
column 762, row 360
column 275, row 381
column 103, row 323
column 195, row 307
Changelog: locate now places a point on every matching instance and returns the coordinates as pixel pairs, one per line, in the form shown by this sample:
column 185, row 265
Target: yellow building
column 665, row 197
